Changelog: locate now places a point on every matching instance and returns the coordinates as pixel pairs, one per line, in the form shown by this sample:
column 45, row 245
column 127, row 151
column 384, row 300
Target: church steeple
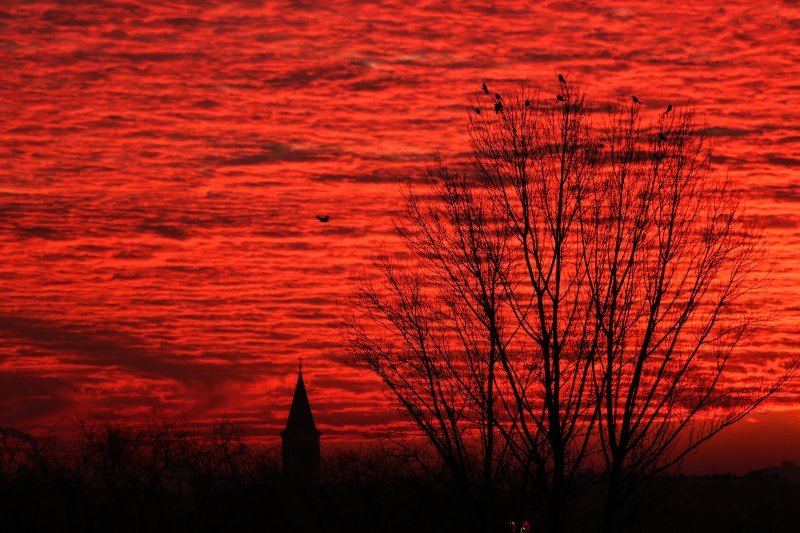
column 301, row 420
column 300, row 441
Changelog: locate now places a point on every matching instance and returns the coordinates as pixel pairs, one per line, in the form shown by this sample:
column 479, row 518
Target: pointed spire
column 300, row 418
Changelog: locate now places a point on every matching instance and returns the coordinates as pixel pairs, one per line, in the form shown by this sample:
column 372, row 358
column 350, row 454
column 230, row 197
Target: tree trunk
column 611, row 507
column 554, row 513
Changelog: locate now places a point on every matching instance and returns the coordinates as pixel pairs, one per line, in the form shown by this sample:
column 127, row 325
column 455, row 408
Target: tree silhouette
column 445, row 312
column 669, row 255
column 572, row 297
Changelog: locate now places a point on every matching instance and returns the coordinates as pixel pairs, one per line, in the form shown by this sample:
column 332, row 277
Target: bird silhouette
column 669, row 109
column 527, row 103
column 559, row 98
column 485, row 88
column 497, row 96
column 635, row 100
column 662, row 136
column 561, row 79
column 478, row 110
column 498, row 106
column 323, row 218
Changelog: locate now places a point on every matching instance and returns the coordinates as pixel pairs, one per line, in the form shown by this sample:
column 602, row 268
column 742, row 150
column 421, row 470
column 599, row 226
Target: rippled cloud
column 162, row 166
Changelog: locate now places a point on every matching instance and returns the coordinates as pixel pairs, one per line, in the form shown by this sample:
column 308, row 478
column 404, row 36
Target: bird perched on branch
column 669, row 109
column 497, row 96
column 662, row 136
column 635, row 100
column 485, row 88
column 559, row 98
column 323, row 218
column 478, row 110
column 561, row 79
column 498, row 107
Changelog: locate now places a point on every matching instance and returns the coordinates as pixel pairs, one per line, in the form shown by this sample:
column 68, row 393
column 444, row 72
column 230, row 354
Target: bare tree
column 574, row 294
column 221, row 457
column 19, row 452
column 537, row 158
column 430, row 328
column 669, row 256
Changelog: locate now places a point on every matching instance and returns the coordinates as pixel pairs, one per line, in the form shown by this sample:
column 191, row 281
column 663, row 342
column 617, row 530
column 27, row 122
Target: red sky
column 160, row 169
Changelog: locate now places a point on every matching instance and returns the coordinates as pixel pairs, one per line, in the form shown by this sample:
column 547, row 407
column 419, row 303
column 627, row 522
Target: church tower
column 300, row 442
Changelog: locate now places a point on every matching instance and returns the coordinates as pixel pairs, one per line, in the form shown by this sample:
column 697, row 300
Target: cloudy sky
column 160, row 169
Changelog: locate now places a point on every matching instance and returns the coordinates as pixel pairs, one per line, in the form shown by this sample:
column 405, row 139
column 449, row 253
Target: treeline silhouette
column 165, row 476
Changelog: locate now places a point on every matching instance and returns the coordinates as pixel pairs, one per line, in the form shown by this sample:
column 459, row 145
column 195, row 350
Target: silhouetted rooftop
column 300, row 418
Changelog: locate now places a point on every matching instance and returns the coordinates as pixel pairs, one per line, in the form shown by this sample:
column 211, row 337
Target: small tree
column 575, row 291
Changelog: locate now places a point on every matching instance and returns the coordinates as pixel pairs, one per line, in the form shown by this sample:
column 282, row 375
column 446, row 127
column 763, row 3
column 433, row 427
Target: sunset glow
column 161, row 169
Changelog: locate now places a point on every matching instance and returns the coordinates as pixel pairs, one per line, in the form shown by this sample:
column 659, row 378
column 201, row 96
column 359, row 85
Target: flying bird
column 662, row 136
column 498, row 106
column 635, row 100
column 497, row 96
column 478, row 110
column 323, row 218
column 669, row 109
column 561, row 79
column 559, row 98
column 485, row 88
